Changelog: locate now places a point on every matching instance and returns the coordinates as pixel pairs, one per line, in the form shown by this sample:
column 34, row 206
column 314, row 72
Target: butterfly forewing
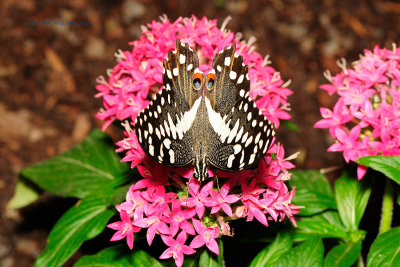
column 163, row 127
column 244, row 133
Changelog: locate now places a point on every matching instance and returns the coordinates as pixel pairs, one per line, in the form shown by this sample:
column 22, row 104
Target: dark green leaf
column 390, row 166
column 208, row 259
column 385, row 251
column 308, row 253
column 25, row 194
column 118, row 256
column 352, row 198
column 343, row 255
column 271, row 253
column 89, row 167
column 82, row 222
column 313, row 191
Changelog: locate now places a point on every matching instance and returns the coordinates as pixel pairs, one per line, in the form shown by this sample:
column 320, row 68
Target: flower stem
column 387, row 207
column 221, row 252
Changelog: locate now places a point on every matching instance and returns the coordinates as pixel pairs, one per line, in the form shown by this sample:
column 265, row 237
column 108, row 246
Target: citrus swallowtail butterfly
column 204, row 120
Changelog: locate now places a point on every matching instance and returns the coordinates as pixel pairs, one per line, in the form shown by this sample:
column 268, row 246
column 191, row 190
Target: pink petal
column 213, row 246
column 198, row 241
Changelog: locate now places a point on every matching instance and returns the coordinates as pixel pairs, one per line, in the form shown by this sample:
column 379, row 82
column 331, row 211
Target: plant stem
column 387, row 207
column 221, row 252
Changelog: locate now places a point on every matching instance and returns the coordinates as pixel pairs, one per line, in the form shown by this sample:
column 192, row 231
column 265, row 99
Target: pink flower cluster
column 365, row 120
column 168, row 201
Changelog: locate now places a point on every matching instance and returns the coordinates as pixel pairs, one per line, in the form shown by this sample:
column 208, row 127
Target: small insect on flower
column 204, row 120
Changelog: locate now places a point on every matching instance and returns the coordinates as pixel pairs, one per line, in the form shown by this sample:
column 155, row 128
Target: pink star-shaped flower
column 207, row 236
column 154, row 225
column 222, row 200
column 125, row 229
column 177, row 248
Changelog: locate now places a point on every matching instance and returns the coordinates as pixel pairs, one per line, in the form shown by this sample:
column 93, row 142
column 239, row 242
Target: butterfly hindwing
column 244, row 133
column 163, row 127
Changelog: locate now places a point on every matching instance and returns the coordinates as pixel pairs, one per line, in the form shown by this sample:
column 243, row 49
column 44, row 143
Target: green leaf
column 390, row 166
column 343, row 255
column 118, row 256
column 312, row 227
column 25, row 194
column 89, row 167
column 308, row 253
column 385, row 251
column 207, row 259
column 83, row 221
column 271, row 253
column 313, row 191
column 352, row 198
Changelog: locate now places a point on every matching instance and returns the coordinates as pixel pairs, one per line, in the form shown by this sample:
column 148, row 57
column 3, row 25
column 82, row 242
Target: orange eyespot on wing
column 210, row 81
column 197, row 80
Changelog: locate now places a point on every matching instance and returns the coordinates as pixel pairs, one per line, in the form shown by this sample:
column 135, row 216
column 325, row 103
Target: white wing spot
column 247, row 76
column 146, row 133
column 172, row 126
column 140, row 136
column 233, row 132
column 169, row 74
column 260, row 123
column 182, row 58
column 158, row 133
column 162, row 101
column 248, row 141
column 261, row 143
column 230, row 161
column 239, row 134
column 167, row 143
column 240, row 106
column 227, row 61
column 268, row 132
column 162, row 130
column 266, row 147
column 219, row 69
column 249, row 116
column 240, row 80
column 244, row 138
column 171, row 156
column 150, row 140
column 190, row 66
column 251, row 160
column 257, row 137
column 241, row 92
column 232, row 75
column 245, row 107
column 254, row 123
column 151, row 150
column 166, row 128
column 237, row 148
column 150, row 128
column 175, row 71
column 159, row 108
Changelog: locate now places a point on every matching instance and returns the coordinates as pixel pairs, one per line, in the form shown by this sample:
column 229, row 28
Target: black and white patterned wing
column 162, row 127
column 244, row 133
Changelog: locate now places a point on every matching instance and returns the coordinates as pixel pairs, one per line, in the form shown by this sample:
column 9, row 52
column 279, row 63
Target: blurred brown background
column 47, row 78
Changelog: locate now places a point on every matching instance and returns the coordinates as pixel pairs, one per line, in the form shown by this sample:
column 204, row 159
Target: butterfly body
column 204, row 120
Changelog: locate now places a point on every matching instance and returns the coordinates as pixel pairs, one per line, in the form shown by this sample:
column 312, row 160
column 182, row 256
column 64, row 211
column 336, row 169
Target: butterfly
column 207, row 120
